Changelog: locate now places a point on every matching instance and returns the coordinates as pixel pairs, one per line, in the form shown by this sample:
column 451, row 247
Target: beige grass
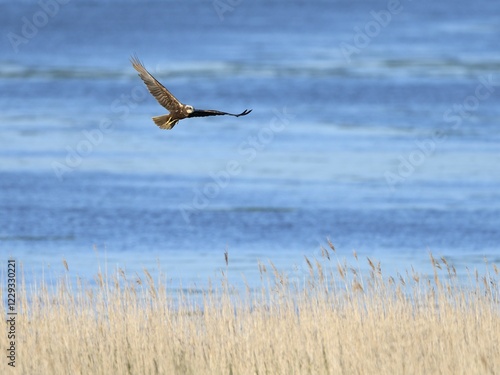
column 335, row 321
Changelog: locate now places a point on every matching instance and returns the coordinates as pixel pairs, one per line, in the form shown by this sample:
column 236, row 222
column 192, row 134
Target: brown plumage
column 177, row 110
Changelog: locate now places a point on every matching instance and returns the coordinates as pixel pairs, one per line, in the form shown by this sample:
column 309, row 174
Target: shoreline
column 336, row 320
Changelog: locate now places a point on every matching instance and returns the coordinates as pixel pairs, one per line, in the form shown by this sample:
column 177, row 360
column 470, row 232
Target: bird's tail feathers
column 165, row 122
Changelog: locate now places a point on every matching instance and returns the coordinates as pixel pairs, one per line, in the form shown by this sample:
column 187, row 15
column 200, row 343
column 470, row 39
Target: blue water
column 374, row 125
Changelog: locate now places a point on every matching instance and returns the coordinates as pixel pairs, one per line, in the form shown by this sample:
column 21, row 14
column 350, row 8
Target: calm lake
column 375, row 124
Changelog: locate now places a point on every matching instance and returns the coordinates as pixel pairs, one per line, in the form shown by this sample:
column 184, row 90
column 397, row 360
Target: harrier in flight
column 178, row 111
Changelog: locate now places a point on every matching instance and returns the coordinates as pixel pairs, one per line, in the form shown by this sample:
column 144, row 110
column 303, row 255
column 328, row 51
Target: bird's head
column 189, row 109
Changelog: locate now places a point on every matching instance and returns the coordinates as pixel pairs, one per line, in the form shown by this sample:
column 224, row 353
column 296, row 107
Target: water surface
column 392, row 151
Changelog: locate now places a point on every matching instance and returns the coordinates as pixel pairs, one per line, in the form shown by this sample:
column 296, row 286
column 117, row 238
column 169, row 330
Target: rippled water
column 374, row 127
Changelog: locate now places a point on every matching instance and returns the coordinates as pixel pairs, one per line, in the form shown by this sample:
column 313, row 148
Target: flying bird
column 177, row 110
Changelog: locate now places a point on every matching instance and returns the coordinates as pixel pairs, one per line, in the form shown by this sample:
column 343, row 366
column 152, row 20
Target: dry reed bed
column 335, row 321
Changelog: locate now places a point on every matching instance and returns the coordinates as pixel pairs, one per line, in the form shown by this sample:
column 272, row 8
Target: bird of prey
column 178, row 111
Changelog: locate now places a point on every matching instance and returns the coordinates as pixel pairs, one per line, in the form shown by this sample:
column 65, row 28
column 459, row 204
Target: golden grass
column 336, row 320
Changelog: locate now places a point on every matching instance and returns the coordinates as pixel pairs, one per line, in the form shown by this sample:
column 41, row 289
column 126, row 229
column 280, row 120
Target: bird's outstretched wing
column 164, row 97
column 213, row 112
